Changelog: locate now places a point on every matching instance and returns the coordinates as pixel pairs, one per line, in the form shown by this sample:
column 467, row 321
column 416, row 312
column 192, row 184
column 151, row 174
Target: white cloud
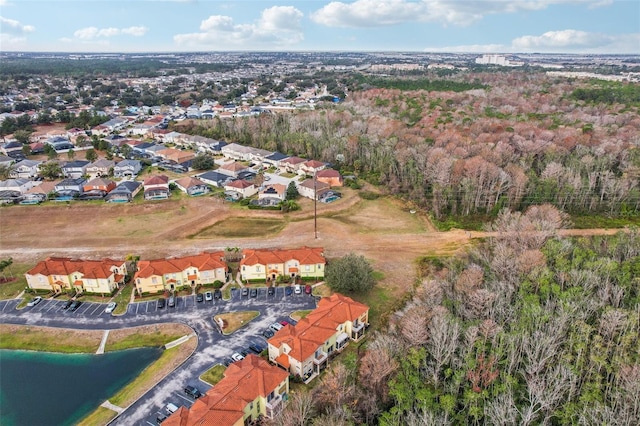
column 90, row 33
column 374, row 13
column 578, row 41
column 14, row 28
column 277, row 27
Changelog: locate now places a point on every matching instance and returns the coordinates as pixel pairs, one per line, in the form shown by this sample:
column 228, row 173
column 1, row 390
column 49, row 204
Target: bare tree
column 444, row 332
column 299, row 411
column 502, row 411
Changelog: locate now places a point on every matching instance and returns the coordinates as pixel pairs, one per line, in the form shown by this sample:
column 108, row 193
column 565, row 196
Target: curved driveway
column 213, row 347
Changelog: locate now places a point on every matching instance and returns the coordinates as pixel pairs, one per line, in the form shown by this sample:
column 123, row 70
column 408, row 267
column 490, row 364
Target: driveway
column 213, row 347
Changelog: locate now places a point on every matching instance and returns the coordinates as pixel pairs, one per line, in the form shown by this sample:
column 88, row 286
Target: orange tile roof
column 313, row 331
column 328, row 173
column 187, row 182
column 66, row 266
column 234, row 167
column 283, row 360
column 202, row 261
column 239, row 184
column 156, row 180
column 224, row 403
column 304, row 255
column 313, row 164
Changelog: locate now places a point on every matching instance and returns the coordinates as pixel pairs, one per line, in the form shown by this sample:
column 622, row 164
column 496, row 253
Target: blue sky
column 500, row 26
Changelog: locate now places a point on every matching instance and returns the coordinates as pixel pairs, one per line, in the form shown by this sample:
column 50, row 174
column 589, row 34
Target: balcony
column 320, row 358
column 357, row 327
column 274, row 406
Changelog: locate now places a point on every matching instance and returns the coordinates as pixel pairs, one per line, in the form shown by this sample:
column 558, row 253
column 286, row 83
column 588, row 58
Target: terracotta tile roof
column 278, row 188
column 239, row 184
column 66, row 266
column 328, row 173
column 310, row 333
column 293, row 160
column 283, row 360
column 188, row 182
column 304, row 255
column 314, row 164
column 224, row 403
column 202, row 262
column 233, row 167
column 156, row 180
column 319, row 185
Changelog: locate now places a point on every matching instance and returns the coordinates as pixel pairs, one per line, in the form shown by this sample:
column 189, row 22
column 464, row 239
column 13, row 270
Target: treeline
column 621, row 93
column 518, row 144
column 416, row 84
column 526, row 329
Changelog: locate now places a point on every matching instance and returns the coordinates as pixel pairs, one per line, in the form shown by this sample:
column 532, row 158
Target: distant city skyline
column 491, row 26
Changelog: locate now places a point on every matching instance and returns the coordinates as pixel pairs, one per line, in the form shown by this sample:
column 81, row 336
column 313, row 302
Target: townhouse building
column 268, row 265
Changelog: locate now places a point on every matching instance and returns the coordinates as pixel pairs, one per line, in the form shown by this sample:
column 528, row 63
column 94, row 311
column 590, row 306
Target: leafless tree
column 502, row 411
column 299, row 411
column 444, row 332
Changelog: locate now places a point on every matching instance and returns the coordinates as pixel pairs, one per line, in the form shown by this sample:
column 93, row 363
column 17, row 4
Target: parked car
column 227, row 362
column 171, row 408
column 254, row 292
column 161, row 418
column 271, row 291
column 276, row 326
column 283, row 323
column 268, row 333
column 67, row 304
column 192, row 392
column 34, row 301
column 245, row 291
column 255, row 349
column 199, row 297
column 288, row 290
column 208, row 296
column 217, row 294
column 237, row 357
column 110, row 307
column 172, row 301
column 298, row 289
column 244, row 352
column 307, row 289
column 161, row 303
column 75, row 305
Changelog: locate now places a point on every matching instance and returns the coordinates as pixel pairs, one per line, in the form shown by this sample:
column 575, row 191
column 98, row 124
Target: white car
column 297, row 289
column 34, row 301
column 276, row 326
column 110, row 307
column 237, row 357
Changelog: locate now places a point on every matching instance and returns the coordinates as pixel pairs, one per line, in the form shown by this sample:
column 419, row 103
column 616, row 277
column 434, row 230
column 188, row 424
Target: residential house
column 6, row 161
column 36, row 148
column 127, row 168
column 268, row 265
column 250, row 389
column 11, row 147
column 39, row 193
column 312, row 189
column 241, row 187
column 232, row 168
column 124, row 192
column 26, row 169
column 275, row 159
column 311, row 167
column 304, row 349
column 100, row 185
column 159, row 275
column 275, row 190
column 100, row 168
column 176, row 155
column 237, row 151
column 75, row 169
column 91, row 276
column 60, row 143
column 70, row 186
column 20, row 185
column 156, row 188
column 331, row 177
column 214, row 178
column 292, row 164
column 192, row 186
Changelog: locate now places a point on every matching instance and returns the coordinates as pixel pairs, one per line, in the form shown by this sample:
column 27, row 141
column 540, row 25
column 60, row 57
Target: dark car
column 255, row 349
column 67, row 304
column 254, row 292
column 161, row 303
column 244, row 353
column 217, row 294
column 307, row 289
column 75, row 305
column 161, row 418
column 288, row 290
column 199, row 297
column 245, row 291
column 192, row 392
column 268, row 333
column 271, row 291
column 227, row 362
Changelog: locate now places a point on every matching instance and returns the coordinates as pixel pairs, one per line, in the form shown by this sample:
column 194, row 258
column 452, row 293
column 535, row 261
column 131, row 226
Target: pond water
column 43, row 388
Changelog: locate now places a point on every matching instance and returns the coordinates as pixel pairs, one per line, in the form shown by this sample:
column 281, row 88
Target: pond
column 43, row 388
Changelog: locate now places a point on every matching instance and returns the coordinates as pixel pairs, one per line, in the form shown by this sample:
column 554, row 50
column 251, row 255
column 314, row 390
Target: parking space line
column 4, row 305
column 137, row 305
column 185, row 398
column 98, row 306
column 53, row 305
column 86, row 308
column 149, row 423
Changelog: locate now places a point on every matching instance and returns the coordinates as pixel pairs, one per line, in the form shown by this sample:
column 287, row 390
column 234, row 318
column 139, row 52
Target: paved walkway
column 112, row 407
column 103, row 342
column 179, row 341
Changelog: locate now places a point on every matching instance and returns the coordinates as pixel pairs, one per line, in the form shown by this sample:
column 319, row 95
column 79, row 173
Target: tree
column 50, row 151
column 350, row 274
column 292, row 191
column 126, row 150
column 91, row 155
column 4, row 264
column 71, row 154
column 50, row 170
column 22, row 136
column 5, row 171
column 201, row 162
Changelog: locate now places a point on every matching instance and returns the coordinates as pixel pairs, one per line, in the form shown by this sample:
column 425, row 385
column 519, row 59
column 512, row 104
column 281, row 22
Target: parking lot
column 54, row 306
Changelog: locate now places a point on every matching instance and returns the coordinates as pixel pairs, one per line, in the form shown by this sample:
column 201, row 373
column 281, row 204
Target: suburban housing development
column 305, row 262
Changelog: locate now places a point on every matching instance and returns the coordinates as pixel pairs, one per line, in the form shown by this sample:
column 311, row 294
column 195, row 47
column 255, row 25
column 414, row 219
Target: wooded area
column 525, row 139
column 526, row 328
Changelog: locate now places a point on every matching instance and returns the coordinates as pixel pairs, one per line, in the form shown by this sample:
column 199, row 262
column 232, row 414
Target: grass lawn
column 49, row 339
column 12, row 289
column 226, row 293
column 382, row 303
column 214, row 374
column 235, row 320
column 157, row 339
column 241, row 227
column 100, row 416
column 122, row 299
column 322, row 290
column 298, row 315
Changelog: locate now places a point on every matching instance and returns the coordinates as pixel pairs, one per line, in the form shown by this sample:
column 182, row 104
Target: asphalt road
column 213, row 347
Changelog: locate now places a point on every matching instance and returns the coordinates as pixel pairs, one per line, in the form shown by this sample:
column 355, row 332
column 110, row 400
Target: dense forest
column 524, row 139
column 526, row 328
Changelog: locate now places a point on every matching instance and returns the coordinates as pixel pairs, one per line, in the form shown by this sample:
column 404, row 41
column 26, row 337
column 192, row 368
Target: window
column 257, row 268
column 307, row 268
column 320, row 266
column 154, row 280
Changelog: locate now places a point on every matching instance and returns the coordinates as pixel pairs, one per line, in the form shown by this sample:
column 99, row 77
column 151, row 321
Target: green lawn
column 236, row 320
column 122, row 299
column 214, row 374
column 12, row 289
